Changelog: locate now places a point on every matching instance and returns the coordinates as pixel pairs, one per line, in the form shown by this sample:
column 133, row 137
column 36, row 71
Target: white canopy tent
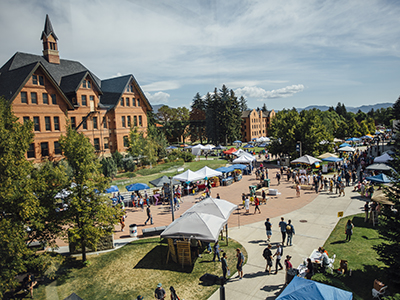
column 208, row 172
column 188, row 176
column 201, row 226
column 217, row 207
column 196, row 150
column 306, row 159
column 243, row 160
column 384, row 158
column 347, row 149
column 241, row 152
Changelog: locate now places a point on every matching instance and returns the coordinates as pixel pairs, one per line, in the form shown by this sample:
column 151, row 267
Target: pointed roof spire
column 48, row 29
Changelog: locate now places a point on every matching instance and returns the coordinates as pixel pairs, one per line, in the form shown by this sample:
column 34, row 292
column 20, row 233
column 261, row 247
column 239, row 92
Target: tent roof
column 225, row 169
column 217, row 207
column 344, row 145
column 188, row 175
column 332, row 159
column 304, row 289
column 384, row 158
column 208, row 172
column 379, row 167
column 159, row 182
column 137, row 187
column 239, row 166
column 230, row 151
column 380, row 178
column 347, row 149
column 241, row 152
column 306, row 159
column 242, row 160
column 201, row 226
column 379, row 196
column 326, row 155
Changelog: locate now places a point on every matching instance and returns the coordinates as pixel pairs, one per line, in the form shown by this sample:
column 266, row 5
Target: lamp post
column 171, row 188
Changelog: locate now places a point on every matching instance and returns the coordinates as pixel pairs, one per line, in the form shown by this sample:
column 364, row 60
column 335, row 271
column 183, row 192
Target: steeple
column 50, row 47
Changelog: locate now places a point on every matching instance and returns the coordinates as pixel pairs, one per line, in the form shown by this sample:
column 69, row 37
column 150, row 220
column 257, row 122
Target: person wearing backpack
column 289, row 233
column 267, row 254
column 278, row 254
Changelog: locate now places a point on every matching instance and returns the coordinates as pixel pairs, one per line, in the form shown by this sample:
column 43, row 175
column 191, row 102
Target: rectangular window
column 122, row 102
column 129, row 121
column 84, row 84
column 92, row 99
column 53, row 99
column 33, row 97
column 104, row 122
column 41, row 80
column 24, row 97
column 44, row 147
column 26, row 119
column 96, row 143
column 140, row 121
column 138, row 102
column 57, row 148
column 56, row 123
column 88, row 84
column 73, row 122
column 45, row 98
column 84, row 123
column 36, row 124
column 134, row 120
column 127, row 101
column 126, row 141
column 84, row 100
column 94, row 122
column 34, row 79
column 106, row 143
column 31, row 151
column 123, row 121
column 47, row 123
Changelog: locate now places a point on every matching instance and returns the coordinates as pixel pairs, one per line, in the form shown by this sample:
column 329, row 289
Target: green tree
column 109, row 167
column 90, row 215
column 197, row 119
column 243, row 104
column 18, row 204
column 389, row 223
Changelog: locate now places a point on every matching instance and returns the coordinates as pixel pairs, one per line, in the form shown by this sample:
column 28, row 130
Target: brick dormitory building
column 255, row 124
column 49, row 91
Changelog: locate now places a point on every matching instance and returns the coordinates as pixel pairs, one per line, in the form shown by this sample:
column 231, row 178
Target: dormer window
column 129, row 89
column 37, row 79
column 86, row 84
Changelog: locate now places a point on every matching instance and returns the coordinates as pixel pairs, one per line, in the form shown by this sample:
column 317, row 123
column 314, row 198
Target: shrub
column 128, row 164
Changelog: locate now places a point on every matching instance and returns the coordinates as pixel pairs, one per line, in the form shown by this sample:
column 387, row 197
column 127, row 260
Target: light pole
column 171, row 187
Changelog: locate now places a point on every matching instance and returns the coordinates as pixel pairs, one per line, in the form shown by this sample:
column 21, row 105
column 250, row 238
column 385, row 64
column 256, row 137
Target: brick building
column 50, row 91
column 255, row 124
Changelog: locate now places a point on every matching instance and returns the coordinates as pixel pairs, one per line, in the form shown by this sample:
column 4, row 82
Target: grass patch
column 168, row 169
column 362, row 259
column 136, row 269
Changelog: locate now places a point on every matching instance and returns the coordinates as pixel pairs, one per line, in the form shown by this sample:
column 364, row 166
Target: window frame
column 57, row 150
column 84, row 100
column 123, row 121
column 73, row 122
column 56, row 122
column 54, row 99
column 24, row 99
column 96, row 144
column 47, row 123
column 34, row 99
column 95, row 123
column 42, row 149
column 45, row 96
column 31, row 152
column 36, row 125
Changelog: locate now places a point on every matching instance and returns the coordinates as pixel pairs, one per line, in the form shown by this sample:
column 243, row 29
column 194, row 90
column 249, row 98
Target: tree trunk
column 83, row 246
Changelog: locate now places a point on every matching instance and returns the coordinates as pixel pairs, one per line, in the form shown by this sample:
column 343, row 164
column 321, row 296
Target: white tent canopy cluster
column 262, row 139
column 203, row 221
column 189, row 175
column 243, row 157
column 196, row 150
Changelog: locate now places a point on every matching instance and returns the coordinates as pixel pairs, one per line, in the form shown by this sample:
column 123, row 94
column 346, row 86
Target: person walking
column 288, row 264
column 282, row 225
column 267, row 254
column 278, row 177
column 247, row 204
column 224, row 265
column 278, row 254
column 240, row 261
column 298, row 188
column 216, row 251
column 159, row 293
column 290, row 232
column 366, row 209
column 268, row 226
column 122, row 222
column 349, row 230
column 263, row 195
column 341, row 189
column 257, row 204
column 149, row 215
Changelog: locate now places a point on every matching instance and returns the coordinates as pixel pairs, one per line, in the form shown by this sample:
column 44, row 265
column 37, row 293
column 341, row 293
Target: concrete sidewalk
column 313, row 224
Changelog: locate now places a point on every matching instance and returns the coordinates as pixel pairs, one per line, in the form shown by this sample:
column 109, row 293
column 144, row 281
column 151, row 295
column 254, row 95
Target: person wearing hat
column 159, row 293
column 288, row 264
column 139, row 297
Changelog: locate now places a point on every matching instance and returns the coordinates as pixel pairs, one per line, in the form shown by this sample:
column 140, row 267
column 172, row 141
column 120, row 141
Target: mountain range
column 363, row 108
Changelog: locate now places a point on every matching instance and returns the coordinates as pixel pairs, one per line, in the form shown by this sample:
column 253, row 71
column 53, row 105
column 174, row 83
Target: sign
column 340, row 214
column 180, row 169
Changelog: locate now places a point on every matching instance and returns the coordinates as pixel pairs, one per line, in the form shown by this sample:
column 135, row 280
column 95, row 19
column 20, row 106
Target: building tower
column 49, row 38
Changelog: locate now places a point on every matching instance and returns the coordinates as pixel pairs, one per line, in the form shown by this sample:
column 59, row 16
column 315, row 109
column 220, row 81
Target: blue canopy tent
column 366, row 137
column 345, row 145
column 137, row 187
column 248, row 146
column 237, row 142
column 353, row 140
column 239, row 166
column 304, row 289
column 171, row 147
column 332, row 159
column 225, row 169
column 112, row 189
column 380, row 178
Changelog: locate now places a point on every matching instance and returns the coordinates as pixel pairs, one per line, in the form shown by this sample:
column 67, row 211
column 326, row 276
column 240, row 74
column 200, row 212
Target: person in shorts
column 267, row 254
column 159, row 293
column 239, row 265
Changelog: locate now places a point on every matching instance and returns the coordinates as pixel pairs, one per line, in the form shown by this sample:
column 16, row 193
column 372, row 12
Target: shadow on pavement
column 256, row 274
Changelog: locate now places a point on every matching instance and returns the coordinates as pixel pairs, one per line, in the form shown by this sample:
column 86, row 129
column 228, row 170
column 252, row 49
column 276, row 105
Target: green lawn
column 136, row 269
column 168, row 169
column 362, row 259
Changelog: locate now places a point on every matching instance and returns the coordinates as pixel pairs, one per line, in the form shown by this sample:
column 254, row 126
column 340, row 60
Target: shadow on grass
column 338, row 242
column 156, row 260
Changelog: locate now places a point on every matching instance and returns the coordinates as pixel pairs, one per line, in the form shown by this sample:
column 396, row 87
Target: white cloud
column 261, row 94
column 161, row 85
column 159, row 97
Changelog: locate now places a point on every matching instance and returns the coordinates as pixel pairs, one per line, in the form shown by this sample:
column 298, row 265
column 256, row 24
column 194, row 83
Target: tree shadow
column 277, row 289
column 156, row 260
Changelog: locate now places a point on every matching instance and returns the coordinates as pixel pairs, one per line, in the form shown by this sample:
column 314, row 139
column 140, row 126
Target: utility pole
column 299, row 148
column 171, row 187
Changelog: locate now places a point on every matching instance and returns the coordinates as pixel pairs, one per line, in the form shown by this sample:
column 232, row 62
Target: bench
column 153, row 230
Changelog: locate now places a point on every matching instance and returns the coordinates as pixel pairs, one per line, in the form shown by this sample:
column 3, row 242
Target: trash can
column 133, row 230
column 290, row 274
column 266, row 182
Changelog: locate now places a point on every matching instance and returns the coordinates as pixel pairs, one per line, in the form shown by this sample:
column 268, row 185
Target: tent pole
column 226, row 233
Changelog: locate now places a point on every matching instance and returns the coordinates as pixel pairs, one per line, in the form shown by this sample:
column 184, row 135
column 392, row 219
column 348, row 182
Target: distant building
column 255, row 124
column 49, row 91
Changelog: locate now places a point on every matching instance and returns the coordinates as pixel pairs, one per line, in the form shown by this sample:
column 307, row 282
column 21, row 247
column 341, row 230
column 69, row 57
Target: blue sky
column 281, row 53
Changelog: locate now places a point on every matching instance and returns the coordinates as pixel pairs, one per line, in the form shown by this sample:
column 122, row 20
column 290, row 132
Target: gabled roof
column 48, row 29
column 246, row 113
column 11, row 82
column 113, row 89
column 71, row 83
